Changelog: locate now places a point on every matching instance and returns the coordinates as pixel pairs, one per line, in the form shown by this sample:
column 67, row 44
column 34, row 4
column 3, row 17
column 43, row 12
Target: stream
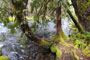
column 24, row 49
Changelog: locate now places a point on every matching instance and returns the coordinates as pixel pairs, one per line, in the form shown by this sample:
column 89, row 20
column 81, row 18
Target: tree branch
column 25, row 27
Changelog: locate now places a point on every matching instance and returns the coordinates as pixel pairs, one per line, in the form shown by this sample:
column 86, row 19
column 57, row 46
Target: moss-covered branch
column 77, row 24
column 24, row 24
column 81, row 8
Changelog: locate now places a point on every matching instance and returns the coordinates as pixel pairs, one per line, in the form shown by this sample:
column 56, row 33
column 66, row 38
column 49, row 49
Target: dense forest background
column 35, row 29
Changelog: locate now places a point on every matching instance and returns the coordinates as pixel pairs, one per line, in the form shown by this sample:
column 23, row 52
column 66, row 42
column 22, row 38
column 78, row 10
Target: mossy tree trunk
column 77, row 24
column 19, row 7
column 82, row 10
column 64, row 49
column 59, row 32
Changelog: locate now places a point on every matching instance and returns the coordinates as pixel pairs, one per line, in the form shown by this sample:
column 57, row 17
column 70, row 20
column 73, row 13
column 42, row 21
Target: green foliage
column 43, row 10
column 74, row 28
column 80, row 40
column 86, row 51
column 24, row 40
column 35, row 4
column 19, row 4
column 4, row 12
column 79, row 44
column 87, row 4
column 13, row 24
column 79, row 36
column 3, row 37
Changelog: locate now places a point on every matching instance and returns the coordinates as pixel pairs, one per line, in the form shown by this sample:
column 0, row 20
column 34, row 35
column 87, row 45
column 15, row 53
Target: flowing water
column 23, row 49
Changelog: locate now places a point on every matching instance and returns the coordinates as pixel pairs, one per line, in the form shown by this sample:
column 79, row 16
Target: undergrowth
column 82, row 42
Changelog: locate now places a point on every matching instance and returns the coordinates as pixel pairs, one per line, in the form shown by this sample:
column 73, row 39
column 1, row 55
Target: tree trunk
column 64, row 49
column 82, row 11
column 20, row 16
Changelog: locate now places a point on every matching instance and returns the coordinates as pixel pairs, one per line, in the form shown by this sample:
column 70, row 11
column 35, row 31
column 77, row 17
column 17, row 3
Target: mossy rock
column 4, row 58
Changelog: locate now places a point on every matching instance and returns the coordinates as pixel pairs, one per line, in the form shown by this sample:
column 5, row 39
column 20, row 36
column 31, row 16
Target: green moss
column 45, row 43
column 58, row 38
column 86, row 51
column 77, row 58
column 4, row 58
column 79, row 44
column 88, row 55
column 58, row 54
column 63, row 35
column 79, row 36
column 54, row 49
column 86, row 5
